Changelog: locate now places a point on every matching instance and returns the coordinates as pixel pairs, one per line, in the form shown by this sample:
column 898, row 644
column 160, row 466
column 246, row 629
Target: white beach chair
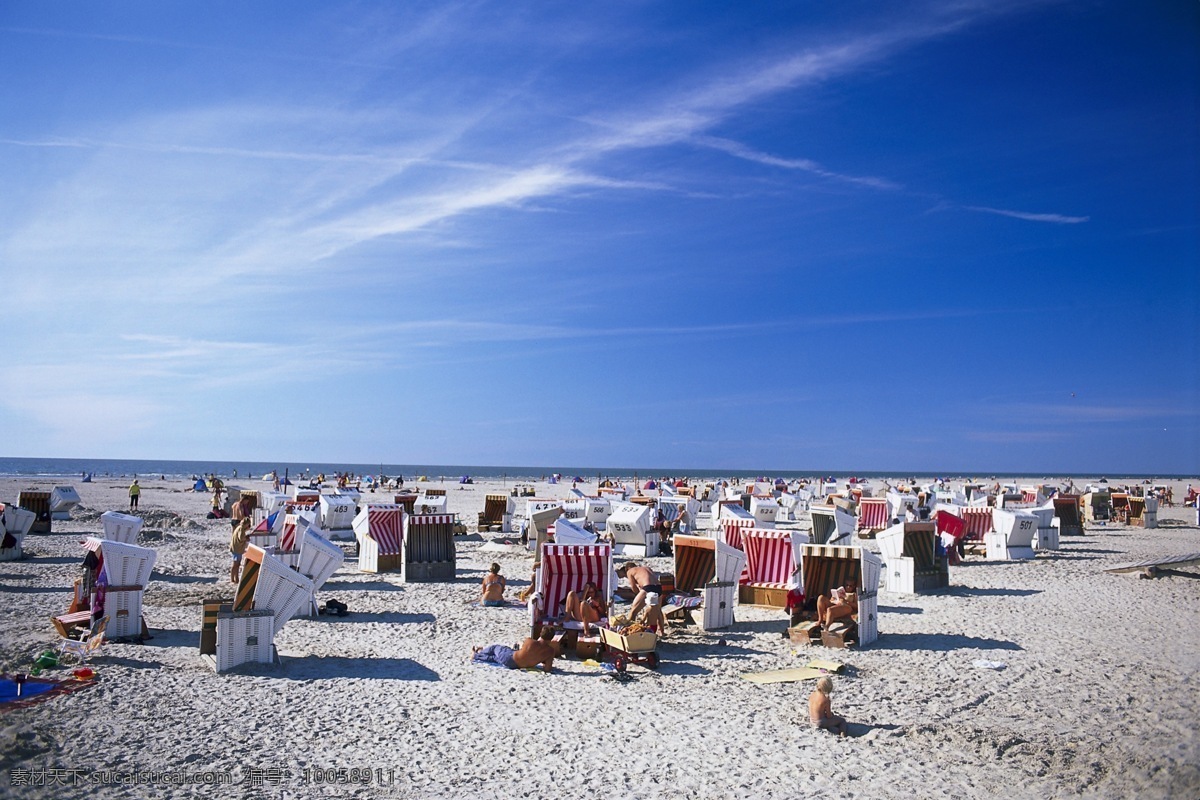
column 337, row 512
column 831, row 525
column 1046, row 537
column 1012, row 536
column 764, row 510
column 631, row 527
column 120, row 527
column 17, row 523
column 911, row 560
column 62, row 500
column 281, row 590
column 712, row 569
column 569, row 531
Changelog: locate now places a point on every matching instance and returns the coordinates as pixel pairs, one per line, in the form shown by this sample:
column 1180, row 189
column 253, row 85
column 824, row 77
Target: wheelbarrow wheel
column 620, row 664
column 652, row 661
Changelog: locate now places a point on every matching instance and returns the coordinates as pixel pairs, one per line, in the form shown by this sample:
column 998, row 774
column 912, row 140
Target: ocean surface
column 76, row 468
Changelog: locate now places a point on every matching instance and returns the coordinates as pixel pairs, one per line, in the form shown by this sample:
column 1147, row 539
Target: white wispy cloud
column 804, row 164
column 1057, row 219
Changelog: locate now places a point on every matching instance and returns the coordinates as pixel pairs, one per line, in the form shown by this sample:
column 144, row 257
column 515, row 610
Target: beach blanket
column 27, row 690
column 814, row 669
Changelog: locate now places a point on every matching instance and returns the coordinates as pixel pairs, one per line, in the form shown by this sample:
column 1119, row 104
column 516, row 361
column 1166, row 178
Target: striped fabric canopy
column 567, row 567
column 386, row 526
column 429, row 537
column 733, row 529
column 872, row 513
column 978, row 521
column 827, row 566
column 768, row 556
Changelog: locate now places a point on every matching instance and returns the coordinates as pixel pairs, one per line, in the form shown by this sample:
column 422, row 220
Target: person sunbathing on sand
column 530, row 654
column 838, row 604
column 820, row 710
column 493, row 587
column 586, row 607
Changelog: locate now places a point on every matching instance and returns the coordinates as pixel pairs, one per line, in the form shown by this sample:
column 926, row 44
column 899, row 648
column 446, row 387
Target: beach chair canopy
column 383, row 523
column 700, row 560
column 566, row 568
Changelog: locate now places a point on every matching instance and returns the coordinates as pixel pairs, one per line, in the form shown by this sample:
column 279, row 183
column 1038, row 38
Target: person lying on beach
column 586, row 607
column 840, row 603
column 531, row 653
column 820, row 710
column 493, row 587
column 642, row 580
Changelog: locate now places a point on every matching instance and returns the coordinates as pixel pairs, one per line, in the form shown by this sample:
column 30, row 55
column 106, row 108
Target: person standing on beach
column 135, row 493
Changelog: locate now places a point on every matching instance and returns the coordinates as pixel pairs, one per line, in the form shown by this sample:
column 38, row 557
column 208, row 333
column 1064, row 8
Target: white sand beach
column 1098, row 696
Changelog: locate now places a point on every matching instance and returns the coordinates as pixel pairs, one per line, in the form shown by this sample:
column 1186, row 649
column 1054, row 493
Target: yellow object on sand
column 815, row 669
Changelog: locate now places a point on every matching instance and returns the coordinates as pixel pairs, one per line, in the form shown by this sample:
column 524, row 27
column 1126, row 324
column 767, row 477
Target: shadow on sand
column 939, row 642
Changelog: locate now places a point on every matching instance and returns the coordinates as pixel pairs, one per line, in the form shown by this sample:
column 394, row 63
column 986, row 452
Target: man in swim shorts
column 531, row 653
column 643, row 581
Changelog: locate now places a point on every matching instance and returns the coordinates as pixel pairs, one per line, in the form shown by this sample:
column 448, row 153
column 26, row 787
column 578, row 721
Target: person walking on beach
column 135, row 492
column 820, row 710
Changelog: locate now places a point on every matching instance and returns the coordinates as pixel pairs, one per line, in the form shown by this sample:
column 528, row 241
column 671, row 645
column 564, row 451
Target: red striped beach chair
column 379, row 529
column 566, row 568
column 770, row 567
column 872, row 516
column 977, row 522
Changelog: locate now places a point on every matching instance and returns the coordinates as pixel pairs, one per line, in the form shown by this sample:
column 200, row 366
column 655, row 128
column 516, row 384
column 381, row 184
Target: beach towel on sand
column 814, row 669
column 28, row 690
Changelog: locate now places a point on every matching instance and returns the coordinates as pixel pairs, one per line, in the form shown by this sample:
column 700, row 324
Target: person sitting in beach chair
column 840, row 603
column 642, row 581
column 820, row 710
column 586, row 607
column 492, row 593
column 531, row 654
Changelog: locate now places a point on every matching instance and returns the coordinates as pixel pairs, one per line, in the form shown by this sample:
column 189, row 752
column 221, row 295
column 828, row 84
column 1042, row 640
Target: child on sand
column 820, row 711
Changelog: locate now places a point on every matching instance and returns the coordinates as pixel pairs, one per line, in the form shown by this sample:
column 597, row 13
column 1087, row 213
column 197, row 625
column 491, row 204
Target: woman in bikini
column 586, row 607
column 493, row 587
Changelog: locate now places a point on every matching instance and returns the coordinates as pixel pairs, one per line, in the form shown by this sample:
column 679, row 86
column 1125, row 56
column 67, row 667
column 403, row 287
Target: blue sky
column 939, row 236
